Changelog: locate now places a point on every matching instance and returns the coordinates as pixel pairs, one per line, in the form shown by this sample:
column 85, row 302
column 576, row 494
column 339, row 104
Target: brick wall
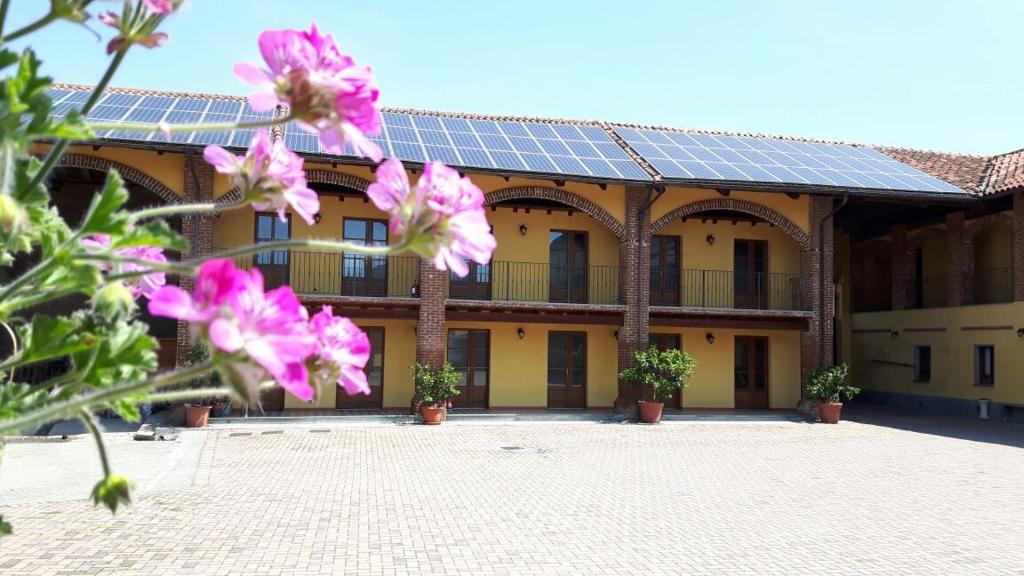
column 197, row 230
column 1018, row 246
column 634, row 283
column 811, row 262
column 430, row 329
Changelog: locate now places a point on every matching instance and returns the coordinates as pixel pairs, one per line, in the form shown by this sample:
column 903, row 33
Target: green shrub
column 828, row 384
column 435, row 387
column 661, row 371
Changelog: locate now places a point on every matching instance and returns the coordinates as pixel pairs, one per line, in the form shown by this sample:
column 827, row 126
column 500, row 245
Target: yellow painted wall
column 399, row 354
column 167, row 168
column 797, row 210
column 518, row 371
column 952, row 351
column 712, row 384
column 993, row 248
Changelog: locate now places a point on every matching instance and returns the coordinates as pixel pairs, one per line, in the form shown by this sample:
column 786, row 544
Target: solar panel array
column 130, row 109
column 548, row 148
column 706, row 157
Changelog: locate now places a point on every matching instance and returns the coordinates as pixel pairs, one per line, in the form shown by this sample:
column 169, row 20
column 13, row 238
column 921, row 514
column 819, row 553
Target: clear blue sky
column 938, row 74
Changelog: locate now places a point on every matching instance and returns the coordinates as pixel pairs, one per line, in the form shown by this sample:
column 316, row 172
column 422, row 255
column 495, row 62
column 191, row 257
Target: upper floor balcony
column 537, row 282
column 740, row 289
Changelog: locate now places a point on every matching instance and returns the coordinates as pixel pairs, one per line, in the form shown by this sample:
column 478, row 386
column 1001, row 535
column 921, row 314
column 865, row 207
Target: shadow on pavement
column 992, row 432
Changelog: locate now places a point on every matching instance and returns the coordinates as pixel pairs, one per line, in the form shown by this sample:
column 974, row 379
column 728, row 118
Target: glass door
column 469, row 353
column 665, row 256
column 274, row 265
column 364, row 275
column 567, row 370
column 750, row 274
column 751, row 372
column 567, row 257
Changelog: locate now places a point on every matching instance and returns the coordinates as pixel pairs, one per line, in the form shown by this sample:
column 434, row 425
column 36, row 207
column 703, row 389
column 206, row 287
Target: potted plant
column 662, row 373
column 828, row 388
column 434, row 389
column 197, row 414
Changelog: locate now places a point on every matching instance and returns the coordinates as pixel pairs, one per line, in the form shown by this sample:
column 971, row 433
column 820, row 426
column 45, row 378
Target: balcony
column 725, row 289
column 333, row 274
column 537, row 282
column 991, row 285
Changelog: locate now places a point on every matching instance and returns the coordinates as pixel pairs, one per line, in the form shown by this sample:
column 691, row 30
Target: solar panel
column 720, row 157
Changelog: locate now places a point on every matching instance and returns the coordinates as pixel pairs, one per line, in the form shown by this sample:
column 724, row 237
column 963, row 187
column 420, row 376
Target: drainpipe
column 658, row 191
column 821, row 277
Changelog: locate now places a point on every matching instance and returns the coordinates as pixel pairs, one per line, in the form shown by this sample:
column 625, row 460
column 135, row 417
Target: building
column 761, row 256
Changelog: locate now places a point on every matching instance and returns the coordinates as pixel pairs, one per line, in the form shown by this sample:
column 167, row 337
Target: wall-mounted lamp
column 616, row 334
column 522, row 229
column 1020, row 332
column 521, row 333
column 317, row 217
column 710, row 338
column 710, row 239
column 894, row 333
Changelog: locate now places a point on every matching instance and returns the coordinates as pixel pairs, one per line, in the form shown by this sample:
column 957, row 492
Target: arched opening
column 871, row 276
column 991, row 253
column 722, row 257
column 929, row 272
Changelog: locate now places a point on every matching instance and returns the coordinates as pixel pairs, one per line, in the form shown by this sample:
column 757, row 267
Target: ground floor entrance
column 567, row 369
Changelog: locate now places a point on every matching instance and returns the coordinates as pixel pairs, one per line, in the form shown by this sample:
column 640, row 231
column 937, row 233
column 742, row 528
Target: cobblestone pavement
column 556, row 498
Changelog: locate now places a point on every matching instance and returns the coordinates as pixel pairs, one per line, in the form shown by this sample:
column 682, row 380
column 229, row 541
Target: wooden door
column 469, row 352
column 750, row 274
column 364, row 275
column 567, row 253
column 272, row 399
column 751, row 372
column 275, row 264
column 667, row 342
column 665, row 256
column 374, row 377
column 475, row 286
column 567, row 369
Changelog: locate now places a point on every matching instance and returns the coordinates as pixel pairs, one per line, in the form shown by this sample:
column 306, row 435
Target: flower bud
column 112, row 491
column 115, row 300
column 13, row 217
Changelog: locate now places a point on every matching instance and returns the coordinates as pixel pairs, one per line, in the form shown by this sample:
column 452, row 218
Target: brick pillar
column 197, row 231
column 634, row 283
column 812, row 260
column 902, row 269
column 1018, row 246
column 430, row 330
column 958, row 260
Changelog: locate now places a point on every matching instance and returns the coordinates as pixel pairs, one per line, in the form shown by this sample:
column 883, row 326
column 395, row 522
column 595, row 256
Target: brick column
column 1018, row 246
column 812, row 259
column 634, row 283
column 197, row 231
column 430, row 330
column 957, row 260
column 902, row 269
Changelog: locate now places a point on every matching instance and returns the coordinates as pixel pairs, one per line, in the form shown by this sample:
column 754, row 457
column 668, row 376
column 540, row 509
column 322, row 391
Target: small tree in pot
column 827, row 386
column 663, row 372
column 433, row 390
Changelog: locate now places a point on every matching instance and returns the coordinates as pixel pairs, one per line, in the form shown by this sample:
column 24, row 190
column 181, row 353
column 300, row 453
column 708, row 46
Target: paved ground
column 536, row 498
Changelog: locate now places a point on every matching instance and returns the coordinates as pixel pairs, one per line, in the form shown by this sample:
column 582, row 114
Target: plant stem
column 58, row 148
column 90, row 422
column 175, row 209
column 201, row 127
column 4, row 5
column 14, row 349
column 73, row 405
column 199, row 393
column 28, row 29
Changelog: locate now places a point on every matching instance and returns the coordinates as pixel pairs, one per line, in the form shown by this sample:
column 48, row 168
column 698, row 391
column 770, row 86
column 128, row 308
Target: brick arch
column 318, row 176
column 564, row 197
column 129, row 174
column 979, row 225
column 744, row 206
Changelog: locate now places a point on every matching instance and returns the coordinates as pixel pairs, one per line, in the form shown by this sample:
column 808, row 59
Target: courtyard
column 879, row 495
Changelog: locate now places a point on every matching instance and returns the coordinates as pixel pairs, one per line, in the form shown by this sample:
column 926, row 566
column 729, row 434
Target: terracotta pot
column 196, row 416
column 650, row 412
column 431, row 415
column 830, row 412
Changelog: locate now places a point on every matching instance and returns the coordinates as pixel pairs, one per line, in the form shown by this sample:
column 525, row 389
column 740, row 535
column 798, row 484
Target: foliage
column 828, row 384
column 435, row 387
column 664, row 372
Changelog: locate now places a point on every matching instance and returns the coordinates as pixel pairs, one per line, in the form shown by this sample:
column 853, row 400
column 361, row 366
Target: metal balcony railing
column 537, row 282
column 725, row 289
column 336, row 274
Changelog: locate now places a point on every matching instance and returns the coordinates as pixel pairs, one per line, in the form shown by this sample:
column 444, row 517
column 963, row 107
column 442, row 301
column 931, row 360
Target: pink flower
column 160, row 6
column 325, row 90
column 344, row 347
column 441, row 219
column 231, row 308
column 150, row 40
column 144, row 285
column 270, row 175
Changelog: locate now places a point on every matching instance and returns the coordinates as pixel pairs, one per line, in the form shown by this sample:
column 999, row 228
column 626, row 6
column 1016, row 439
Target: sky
column 931, row 74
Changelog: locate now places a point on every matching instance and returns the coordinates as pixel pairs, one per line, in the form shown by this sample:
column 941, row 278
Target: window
column 922, row 363
column 274, row 264
column 664, row 341
column 984, row 365
column 470, row 355
column 364, row 275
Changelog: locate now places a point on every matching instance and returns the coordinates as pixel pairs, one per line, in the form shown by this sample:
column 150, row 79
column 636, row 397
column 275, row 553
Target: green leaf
column 49, row 337
column 112, row 491
column 5, row 527
column 127, row 409
column 126, row 354
column 7, row 57
column 156, row 233
column 104, row 215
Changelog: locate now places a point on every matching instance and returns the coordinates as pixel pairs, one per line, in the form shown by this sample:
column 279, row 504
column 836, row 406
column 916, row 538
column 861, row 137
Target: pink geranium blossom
column 269, row 174
column 160, row 6
column 442, row 218
column 230, row 307
column 325, row 90
column 145, row 285
column 344, row 348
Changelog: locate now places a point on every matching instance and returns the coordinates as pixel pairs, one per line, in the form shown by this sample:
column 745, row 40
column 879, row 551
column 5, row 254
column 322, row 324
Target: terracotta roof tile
column 964, row 171
column 1007, row 173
